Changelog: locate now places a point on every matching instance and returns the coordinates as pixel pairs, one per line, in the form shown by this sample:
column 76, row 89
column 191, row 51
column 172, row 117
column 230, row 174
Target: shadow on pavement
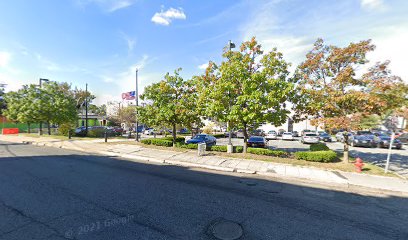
column 96, row 197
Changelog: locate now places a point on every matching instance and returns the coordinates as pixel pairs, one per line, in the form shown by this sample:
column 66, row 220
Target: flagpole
column 137, row 104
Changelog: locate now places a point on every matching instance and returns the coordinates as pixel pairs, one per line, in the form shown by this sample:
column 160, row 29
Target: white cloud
column 165, row 17
column 107, row 5
column 129, row 41
column 203, row 66
column 5, row 58
column 372, row 4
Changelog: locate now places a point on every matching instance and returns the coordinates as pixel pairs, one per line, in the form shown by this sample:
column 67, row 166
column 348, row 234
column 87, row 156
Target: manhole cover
column 227, row 230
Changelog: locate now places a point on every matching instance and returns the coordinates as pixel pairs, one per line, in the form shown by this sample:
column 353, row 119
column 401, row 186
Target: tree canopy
column 248, row 88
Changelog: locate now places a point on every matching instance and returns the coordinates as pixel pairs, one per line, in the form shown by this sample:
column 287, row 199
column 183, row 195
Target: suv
column 309, row 137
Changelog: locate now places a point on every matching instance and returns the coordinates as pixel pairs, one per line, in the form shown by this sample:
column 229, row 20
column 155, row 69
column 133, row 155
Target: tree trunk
column 28, row 128
column 346, row 148
column 49, row 128
column 174, row 135
column 244, row 130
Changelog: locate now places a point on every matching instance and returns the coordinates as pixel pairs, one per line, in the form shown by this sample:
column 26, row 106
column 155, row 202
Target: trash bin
column 201, row 149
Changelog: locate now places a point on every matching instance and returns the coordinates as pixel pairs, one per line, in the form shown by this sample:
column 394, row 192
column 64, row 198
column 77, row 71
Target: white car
column 310, row 137
column 271, row 135
column 149, row 131
column 287, row 136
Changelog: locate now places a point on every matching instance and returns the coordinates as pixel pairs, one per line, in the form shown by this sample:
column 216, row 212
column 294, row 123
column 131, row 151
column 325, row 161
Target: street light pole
column 86, row 110
column 230, row 148
column 137, row 104
column 40, row 83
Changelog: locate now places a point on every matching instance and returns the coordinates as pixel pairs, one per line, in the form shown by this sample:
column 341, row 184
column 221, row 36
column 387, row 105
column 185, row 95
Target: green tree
column 168, row 103
column 2, row 101
column 329, row 90
column 247, row 89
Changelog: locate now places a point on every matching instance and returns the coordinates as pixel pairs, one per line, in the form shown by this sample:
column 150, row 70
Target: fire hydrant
column 359, row 164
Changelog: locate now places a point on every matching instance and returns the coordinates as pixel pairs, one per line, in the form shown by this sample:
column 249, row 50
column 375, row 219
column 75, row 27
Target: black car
column 257, row 141
column 295, row 134
column 361, row 141
column 325, row 137
column 203, row 138
column 403, row 138
column 383, row 141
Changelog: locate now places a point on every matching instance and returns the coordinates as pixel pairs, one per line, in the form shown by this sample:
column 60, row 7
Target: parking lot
column 377, row 156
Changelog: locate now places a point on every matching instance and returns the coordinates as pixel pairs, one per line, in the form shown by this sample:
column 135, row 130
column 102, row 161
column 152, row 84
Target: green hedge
column 178, row 139
column 317, row 156
column 268, row 152
column 157, row 142
column 223, row 148
column 187, row 146
column 319, row 147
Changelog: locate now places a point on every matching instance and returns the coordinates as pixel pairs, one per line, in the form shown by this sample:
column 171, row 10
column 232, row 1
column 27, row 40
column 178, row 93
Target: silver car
column 309, row 137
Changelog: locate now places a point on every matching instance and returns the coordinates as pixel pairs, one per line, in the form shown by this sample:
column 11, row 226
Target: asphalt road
column 49, row 193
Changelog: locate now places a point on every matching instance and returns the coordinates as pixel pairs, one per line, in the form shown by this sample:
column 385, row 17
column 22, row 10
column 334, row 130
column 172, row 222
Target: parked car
column 258, row 132
column 149, row 131
column 364, row 133
column 183, row 131
column 325, row 137
column 280, row 132
column 340, row 136
column 383, row 141
column 309, row 137
column 361, row 140
column 233, row 134
column 257, row 141
column 295, row 134
column 240, row 134
column 287, row 136
column 403, row 138
column 271, row 135
column 203, row 138
column 306, row 131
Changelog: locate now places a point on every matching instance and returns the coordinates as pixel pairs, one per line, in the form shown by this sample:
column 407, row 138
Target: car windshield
column 385, row 137
column 287, row 133
column 255, row 139
column 271, row 132
column 324, row 134
column 311, row 134
column 200, row 136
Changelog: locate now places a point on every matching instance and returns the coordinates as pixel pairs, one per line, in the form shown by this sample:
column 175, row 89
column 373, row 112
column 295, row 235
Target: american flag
column 129, row 95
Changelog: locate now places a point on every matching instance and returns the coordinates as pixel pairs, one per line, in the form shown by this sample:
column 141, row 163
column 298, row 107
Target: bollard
column 106, row 135
column 201, row 149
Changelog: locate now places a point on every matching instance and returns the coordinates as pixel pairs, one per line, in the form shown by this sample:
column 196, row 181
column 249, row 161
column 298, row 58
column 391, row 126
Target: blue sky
column 101, row 42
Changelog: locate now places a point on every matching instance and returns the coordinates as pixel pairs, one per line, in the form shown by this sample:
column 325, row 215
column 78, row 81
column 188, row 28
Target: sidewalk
column 190, row 159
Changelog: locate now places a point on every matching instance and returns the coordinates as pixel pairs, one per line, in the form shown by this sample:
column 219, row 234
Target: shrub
column 238, row 149
column 319, row 147
column 64, row 128
column 157, row 142
column 317, row 156
column 218, row 148
column 96, row 132
column 187, row 146
column 268, row 152
column 146, row 141
column 178, row 139
column 207, row 130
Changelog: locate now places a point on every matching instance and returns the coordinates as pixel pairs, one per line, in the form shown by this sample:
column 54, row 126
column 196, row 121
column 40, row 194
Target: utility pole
column 137, row 104
column 86, row 109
